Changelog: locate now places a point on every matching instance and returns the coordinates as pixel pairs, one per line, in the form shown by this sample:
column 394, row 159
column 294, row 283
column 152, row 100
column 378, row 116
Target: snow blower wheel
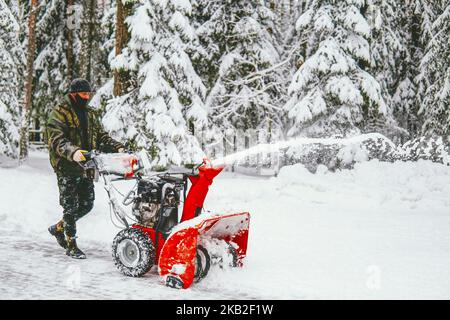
column 133, row 252
column 202, row 263
column 228, row 258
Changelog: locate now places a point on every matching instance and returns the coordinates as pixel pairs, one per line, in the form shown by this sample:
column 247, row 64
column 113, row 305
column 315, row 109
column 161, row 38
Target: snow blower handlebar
column 124, row 165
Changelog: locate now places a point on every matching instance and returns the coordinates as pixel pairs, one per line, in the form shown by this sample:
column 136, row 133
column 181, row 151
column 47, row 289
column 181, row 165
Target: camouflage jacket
column 64, row 138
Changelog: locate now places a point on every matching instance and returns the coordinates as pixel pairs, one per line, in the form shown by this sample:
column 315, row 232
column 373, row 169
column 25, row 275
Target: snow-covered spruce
column 166, row 103
column 405, row 99
column 71, row 42
column 55, row 21
column 434, row 76
column 133, row 252
column 240, row 67
column 11, row 62
column 389, row 55
column 333, row 91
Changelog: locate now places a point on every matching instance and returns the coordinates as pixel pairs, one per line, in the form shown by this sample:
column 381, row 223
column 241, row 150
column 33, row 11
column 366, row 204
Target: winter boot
column 57, row 230
column 73, row 250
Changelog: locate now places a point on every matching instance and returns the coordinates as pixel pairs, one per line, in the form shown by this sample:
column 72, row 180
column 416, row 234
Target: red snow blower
column 183, row 248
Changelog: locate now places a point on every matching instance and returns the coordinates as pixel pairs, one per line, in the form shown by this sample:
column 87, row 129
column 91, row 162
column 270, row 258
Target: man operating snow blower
column 72, row 130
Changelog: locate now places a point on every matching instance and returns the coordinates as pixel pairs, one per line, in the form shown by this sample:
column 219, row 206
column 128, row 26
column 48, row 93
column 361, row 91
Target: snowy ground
column 379, row 231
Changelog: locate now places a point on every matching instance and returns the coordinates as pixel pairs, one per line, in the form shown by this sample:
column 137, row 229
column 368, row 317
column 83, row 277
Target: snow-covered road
column 379, row 231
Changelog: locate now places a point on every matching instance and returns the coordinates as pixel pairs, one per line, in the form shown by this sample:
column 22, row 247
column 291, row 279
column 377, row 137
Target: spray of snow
column 267, row 148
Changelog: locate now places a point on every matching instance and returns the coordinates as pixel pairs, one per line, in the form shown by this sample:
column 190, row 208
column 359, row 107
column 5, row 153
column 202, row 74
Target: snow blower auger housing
column 182, row 248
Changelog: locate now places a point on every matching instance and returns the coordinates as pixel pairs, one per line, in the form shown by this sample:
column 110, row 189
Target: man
column 73, row 129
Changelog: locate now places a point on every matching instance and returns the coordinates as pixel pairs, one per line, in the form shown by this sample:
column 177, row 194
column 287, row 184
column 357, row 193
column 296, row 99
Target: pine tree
column 290, row 54
column 404, row 100
column 57, row 54
column 106, row 16
column 167, row 94
column 434, row 77
column 11, row 61
column 69, row 45
column 389, row 53
column 333, row 92
column 240, row 66
column 28, row 87
column 416, row 17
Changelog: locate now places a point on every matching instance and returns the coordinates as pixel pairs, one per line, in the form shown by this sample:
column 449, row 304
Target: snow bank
column 409, row 183
column 379, row 231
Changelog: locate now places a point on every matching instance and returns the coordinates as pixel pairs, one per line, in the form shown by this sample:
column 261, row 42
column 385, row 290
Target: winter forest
column 329, row 118
column 185, row 78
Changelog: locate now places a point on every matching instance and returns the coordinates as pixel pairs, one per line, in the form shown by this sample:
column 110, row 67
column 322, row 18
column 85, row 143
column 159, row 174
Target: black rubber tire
column 146, row 252
column 202, row 269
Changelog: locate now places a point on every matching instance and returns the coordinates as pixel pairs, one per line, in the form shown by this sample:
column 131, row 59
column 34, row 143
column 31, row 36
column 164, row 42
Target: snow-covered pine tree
column 389, row 58
column 167, row 95
column 28, row 81
column 57, row 47
column 290, row 55
column 333, row 92
column 240, row 66
column 60, row 53
column 434, row 76
column 11, row 62
column 405, row 103
column 70, row 44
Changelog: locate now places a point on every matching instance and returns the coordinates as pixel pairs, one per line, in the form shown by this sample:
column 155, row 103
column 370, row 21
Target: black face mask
column 79, row 102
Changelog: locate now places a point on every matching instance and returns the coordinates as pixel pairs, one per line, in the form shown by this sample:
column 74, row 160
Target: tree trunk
column 69, row 39
column 26, row 112
column 224, row 142
column 258, row 155
column 234, row 150
column 121, row 77
column 88, row 39
column 246, row 146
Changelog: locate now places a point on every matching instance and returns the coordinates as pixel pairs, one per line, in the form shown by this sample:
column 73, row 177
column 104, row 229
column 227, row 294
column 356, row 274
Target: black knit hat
column 80, row 85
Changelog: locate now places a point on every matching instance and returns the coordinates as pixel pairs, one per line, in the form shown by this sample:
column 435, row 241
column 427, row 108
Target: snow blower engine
column 182, row 246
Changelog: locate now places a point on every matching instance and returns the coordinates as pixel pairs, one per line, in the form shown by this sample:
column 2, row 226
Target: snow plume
column 266, row 148
column 336, row 153
column 331, row 93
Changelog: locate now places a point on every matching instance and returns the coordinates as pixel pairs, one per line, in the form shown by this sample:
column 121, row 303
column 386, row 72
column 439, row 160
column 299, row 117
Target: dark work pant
column 76, row 196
